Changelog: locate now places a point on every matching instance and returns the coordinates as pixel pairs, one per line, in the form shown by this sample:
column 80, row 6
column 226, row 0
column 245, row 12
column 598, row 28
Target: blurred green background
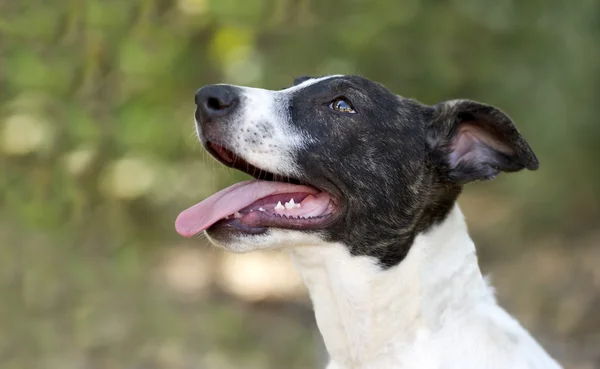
column 98, row 156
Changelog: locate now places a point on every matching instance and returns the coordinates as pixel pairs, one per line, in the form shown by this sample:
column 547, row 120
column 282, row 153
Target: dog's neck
column 367, row 315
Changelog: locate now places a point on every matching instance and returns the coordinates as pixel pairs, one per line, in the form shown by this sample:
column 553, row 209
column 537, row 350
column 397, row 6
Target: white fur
column 434, row 310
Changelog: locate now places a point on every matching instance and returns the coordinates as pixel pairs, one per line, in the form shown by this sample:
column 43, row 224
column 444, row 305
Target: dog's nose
column 216, row 100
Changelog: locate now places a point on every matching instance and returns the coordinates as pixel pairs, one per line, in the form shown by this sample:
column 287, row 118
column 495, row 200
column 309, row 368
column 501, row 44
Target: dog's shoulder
column 485, row 338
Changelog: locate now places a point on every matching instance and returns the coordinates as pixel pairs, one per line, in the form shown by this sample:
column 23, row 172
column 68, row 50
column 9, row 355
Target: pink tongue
column 226, row 202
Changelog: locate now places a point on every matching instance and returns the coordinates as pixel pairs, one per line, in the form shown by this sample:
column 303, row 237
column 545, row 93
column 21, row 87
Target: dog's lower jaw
column 434, row 310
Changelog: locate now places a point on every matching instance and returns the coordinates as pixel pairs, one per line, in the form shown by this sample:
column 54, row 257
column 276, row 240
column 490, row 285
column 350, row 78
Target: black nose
column 216, row 100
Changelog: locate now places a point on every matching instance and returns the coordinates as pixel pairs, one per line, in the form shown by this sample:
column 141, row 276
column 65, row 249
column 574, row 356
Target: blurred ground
column 98, row 156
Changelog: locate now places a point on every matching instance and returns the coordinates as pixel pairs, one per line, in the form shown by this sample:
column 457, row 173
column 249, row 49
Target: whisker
column 201, row 236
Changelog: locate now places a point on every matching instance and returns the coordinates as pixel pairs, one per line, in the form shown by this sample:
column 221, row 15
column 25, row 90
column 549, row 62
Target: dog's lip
column 290, row 223
column 210, row 147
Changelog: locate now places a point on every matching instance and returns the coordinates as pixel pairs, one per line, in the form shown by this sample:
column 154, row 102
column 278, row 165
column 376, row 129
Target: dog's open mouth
column 253, row 206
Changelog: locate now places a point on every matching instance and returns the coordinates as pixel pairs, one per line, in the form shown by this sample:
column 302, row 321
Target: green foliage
column 98, row 154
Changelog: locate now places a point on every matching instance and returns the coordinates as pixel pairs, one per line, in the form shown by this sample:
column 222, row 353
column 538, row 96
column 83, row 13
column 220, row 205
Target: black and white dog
column 361, row 186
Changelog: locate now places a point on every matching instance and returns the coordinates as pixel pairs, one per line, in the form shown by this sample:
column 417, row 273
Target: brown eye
column 342, row 105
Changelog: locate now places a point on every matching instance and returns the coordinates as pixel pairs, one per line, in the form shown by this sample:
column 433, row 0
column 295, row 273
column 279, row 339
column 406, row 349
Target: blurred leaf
column 233, row 12
column 28, row 70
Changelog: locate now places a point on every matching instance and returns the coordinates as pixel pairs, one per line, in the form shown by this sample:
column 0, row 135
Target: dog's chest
column 401, row 319
column 357, row 308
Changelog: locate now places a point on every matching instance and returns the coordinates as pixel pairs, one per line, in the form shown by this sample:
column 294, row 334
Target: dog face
column 366, row 168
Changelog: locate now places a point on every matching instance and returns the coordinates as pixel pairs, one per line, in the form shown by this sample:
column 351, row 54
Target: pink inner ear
column 473, row 143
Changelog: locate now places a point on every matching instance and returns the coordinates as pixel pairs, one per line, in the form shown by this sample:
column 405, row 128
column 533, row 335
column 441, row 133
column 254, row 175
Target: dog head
column 365, row 167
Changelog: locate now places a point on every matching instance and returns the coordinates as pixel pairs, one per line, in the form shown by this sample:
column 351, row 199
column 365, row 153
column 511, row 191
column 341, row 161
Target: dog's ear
column 471, row 141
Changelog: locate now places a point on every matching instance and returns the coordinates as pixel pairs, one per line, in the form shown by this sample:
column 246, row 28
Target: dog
column 361, row 185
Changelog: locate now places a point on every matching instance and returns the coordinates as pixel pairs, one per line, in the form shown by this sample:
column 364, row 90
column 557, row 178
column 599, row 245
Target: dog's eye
column 342, row 105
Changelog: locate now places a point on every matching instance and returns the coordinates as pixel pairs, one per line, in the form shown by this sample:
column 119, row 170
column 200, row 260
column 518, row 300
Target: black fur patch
column 389, row 161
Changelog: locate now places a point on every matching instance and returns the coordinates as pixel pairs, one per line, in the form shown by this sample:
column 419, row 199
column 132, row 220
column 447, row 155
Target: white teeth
column 227, row 217
column 291, row 205
column 261, row 209
column 237, row 215
column 279, row 206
